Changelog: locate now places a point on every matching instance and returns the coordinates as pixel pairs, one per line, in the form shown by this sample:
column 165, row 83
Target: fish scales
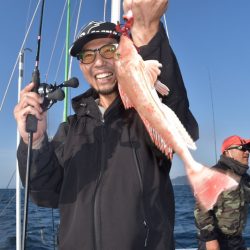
column 136, row 79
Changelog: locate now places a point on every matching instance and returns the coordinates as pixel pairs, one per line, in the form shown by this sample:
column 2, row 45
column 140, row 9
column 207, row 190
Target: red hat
column 233, row 140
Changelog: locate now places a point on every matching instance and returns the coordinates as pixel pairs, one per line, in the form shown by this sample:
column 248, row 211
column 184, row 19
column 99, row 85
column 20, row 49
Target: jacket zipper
column 137, row 163
column 97, row 233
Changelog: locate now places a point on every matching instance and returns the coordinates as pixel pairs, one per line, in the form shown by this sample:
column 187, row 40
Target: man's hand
column 147, row 15
column 30, row 104
column 212, row 245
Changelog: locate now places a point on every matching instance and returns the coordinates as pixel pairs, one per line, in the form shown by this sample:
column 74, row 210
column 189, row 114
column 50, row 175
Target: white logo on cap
column 94, row 25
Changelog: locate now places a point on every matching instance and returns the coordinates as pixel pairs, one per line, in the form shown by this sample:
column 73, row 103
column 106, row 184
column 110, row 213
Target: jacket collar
column 85, row 104
column 234, row 165
column 83, row 100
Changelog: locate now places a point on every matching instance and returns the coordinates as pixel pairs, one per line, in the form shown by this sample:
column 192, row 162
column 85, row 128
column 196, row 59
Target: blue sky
column 211, row 40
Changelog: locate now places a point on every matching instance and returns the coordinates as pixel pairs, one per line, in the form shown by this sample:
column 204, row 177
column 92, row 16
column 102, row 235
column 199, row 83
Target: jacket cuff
column 40, row 198
column 208, row 235
column 155, row 43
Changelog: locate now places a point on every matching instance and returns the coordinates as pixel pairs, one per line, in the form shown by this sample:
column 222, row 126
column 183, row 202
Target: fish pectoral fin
column 153, row 70
column 161, row 88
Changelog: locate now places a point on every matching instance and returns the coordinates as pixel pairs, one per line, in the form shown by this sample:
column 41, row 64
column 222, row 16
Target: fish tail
column 208, row 184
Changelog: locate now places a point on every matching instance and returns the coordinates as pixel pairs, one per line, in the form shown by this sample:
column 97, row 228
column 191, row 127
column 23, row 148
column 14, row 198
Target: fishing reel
column 52, row 93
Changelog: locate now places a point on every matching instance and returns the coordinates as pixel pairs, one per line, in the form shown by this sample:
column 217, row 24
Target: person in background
column 222, row 227
column 103, row 172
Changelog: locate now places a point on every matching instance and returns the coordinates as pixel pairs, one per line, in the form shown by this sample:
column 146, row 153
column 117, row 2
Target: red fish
column 137, row 80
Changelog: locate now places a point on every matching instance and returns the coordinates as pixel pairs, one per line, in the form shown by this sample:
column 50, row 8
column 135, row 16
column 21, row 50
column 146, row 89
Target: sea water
column 43, row 222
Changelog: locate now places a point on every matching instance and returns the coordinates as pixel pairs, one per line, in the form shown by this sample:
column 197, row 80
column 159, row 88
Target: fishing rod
column 51, row 94
column 31, row 127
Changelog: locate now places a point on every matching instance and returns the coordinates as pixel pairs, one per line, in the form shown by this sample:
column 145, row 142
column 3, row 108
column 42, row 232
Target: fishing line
column 60, row 62
column 52, row 53
column 71, row 58
column 54, row 46
column 213, row 114
column 28, row 13
column 22, row 46
column 75, row 34
column 63, row 49
column 11, row 199
column 11, row 178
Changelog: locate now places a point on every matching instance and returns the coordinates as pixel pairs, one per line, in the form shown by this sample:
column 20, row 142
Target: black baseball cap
column 93, row 30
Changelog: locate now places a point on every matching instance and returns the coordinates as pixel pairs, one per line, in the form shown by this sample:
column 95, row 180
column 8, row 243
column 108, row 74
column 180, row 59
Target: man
column 101, row 169
column 222, row 227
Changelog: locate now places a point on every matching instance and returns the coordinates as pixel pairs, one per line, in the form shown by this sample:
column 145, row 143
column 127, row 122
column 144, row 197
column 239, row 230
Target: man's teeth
column 103, row 75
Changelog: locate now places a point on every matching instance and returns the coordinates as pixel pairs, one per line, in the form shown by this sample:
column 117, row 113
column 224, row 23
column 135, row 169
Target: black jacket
column 110, row 183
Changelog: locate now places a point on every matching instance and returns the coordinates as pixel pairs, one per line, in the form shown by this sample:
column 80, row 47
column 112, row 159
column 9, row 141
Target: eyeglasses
column 243, row 148
column 88, row 56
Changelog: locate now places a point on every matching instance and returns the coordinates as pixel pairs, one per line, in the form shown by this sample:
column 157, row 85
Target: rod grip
column 31, row 121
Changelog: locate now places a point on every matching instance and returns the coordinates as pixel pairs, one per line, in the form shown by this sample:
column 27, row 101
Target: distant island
column 180, row 180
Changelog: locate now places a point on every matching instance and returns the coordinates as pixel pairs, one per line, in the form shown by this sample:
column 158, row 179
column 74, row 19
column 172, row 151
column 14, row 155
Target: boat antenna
column 31, row 127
